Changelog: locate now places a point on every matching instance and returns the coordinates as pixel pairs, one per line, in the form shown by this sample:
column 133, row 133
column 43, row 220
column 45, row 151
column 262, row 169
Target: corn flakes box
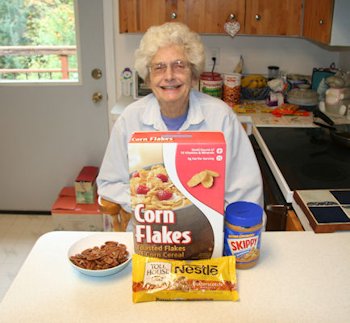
column 177, row 186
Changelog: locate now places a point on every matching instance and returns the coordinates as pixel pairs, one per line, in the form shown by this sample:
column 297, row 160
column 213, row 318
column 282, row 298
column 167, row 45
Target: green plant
column 36, row 22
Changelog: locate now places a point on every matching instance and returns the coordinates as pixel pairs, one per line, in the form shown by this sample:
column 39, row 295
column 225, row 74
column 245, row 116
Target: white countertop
column 300, row 277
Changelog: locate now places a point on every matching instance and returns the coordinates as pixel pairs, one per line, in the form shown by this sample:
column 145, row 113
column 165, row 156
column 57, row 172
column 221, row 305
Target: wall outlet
column 210, row 53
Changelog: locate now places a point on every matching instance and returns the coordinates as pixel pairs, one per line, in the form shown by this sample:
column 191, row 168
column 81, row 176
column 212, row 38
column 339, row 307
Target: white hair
column 170, row 33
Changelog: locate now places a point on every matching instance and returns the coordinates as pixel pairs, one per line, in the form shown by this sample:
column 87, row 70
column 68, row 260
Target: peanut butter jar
column 242, row 233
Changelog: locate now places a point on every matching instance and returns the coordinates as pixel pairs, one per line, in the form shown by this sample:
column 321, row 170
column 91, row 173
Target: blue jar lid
column 244, row 214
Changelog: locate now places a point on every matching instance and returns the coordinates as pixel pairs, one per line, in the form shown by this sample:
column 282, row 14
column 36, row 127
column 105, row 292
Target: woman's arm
column 113, row 178
column 243, row 177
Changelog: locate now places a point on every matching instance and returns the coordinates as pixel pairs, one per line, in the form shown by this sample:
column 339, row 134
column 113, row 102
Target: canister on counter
column 273, row 72
column 232, row 88
column 211, row 83
column 242, row 234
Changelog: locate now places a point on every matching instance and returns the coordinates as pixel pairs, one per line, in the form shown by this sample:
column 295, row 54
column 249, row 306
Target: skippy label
column 244, row 245
column 177, row 187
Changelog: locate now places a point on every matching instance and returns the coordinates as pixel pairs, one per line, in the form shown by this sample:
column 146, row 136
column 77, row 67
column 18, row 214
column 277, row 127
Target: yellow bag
column 156, row 279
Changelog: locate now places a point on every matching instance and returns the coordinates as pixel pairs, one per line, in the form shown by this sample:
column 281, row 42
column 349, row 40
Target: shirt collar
column 152, row 116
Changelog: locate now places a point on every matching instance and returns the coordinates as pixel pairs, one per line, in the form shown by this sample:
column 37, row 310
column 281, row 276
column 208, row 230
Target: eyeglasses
column 177, row 66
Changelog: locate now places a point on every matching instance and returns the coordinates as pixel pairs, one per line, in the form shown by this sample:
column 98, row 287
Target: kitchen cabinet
column 209, row 16
column 256, row 17
column 271, row 17
column 205, row 16
column 318, row 20
column 138, row 15
column 328, row 24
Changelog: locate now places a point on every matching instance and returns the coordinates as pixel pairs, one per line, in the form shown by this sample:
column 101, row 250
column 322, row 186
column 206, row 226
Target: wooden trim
column 37, row 50
column 293, row 223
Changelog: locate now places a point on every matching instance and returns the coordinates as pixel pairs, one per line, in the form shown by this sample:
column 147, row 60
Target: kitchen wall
column 293, row 55
column 344, row 61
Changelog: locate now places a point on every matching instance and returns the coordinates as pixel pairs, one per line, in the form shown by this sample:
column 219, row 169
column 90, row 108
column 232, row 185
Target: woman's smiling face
column 170, row 77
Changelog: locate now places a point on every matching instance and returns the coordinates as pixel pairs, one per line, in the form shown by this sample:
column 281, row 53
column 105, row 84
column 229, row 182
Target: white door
column 49, row 132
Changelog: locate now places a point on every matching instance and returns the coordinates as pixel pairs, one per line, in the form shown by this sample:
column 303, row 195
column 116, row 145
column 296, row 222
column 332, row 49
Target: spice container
column 232, row 89
column 211, row 83
column 243, row 224
column 273, row 72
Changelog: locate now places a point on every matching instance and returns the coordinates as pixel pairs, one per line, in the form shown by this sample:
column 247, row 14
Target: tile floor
column 18, row 233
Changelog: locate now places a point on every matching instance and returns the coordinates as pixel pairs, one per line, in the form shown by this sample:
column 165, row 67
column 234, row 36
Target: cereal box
column 177, row 186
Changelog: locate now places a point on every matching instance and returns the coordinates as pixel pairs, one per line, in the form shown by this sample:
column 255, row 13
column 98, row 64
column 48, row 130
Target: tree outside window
column 37, row 40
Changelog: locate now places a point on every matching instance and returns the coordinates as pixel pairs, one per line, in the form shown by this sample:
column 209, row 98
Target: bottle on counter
column 242, row 233
column 273, row 72
column 232, row 88
column 211, row 83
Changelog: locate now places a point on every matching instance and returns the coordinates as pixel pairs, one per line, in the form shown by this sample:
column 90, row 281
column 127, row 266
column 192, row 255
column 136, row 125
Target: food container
column 211, row 83
column 243, row 224
column 177, row 186
column 82, row 248
column 302, row 97
column 337, row 100
column 273, row 72
column 85, row 185
column 232, row 88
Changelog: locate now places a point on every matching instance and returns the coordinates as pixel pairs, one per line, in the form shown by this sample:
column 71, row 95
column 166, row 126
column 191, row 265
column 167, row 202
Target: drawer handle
column 232, row 16
column 257, row 17
column 173, row 15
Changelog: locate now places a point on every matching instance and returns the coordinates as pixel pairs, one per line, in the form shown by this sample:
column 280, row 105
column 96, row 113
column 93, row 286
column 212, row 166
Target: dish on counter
column 303, row 97
column 85, row 246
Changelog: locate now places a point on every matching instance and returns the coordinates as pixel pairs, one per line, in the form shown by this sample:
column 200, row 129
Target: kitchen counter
column 269, row 120
column 300, row 277
column 257, row 118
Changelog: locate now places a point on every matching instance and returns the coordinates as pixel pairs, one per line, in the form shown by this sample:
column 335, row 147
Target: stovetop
column 308, row 158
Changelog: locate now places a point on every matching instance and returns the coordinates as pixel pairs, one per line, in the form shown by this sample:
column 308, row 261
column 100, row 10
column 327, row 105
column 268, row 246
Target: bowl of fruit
column 254, row 87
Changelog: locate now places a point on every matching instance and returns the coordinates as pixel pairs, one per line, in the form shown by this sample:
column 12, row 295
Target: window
column 37, row 41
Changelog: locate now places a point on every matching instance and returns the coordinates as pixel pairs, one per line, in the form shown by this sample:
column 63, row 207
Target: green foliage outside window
column 34, row 23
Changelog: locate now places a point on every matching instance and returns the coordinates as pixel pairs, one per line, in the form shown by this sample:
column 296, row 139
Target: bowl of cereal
column 101, row 254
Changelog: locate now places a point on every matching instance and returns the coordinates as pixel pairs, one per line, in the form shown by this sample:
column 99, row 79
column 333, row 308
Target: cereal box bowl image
column 152, row 187
column 176, row 189
column 101, row 254
column 152, row 194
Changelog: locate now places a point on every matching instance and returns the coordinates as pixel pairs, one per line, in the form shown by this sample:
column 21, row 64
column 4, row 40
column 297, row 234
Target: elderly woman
column 170, row 59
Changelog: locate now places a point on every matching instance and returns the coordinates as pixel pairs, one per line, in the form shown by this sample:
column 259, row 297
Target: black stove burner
column 322, row 172
column 308, row 158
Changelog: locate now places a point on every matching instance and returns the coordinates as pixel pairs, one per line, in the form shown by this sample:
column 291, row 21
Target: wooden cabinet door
column 273, row 17
column 318, row 20
column 137, row 16
column 209, row 16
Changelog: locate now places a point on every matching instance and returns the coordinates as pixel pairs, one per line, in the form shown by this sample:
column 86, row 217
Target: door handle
column 96, row 73
column 97, row 97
